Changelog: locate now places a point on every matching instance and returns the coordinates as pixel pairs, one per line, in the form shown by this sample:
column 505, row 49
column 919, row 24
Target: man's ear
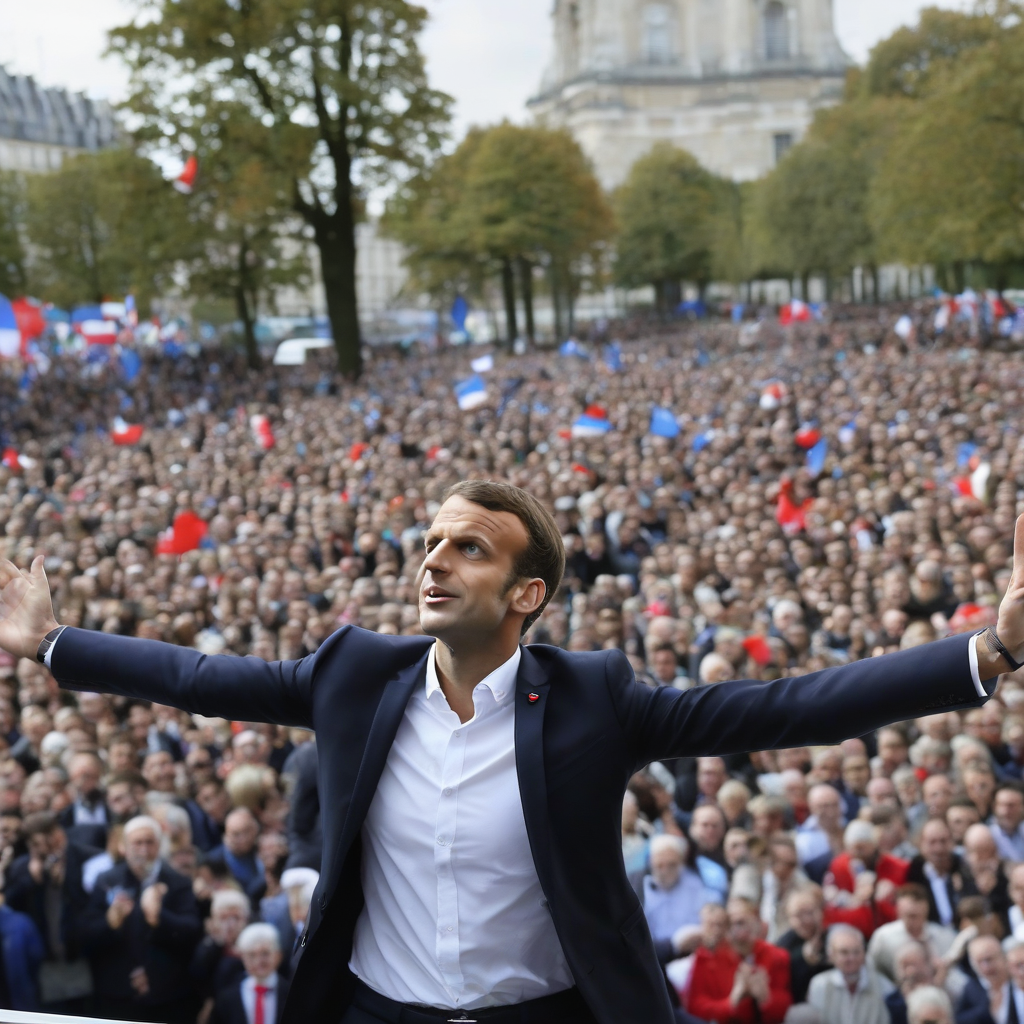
column 528, row 596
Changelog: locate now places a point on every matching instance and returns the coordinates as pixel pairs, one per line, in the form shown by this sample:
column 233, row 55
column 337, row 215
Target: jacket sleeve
column 780, row 998
column 819, row 708
column 180, row 925
column 218, row 686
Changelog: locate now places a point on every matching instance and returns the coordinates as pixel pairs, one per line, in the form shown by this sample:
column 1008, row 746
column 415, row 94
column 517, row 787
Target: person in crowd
column 46, row 884
column 805, row 940
column 914, row 968
column 86, row 818
column 851, row 992
column 990, row 995
column 141, row 927
column 911, row 924
column 781, row 878
column 820, row 837
column 743, row 979
column 22, row 953
column 259, row 996
column 238, row 851
column 1007, row 822
column 673, row 893
column 929, row 1005
column 939, row 870
column 215, row 962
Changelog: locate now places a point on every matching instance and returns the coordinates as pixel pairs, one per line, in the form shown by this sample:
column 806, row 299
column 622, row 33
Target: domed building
column 735, row 82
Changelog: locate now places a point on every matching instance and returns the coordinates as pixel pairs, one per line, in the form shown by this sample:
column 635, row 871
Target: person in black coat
column 305, row 835
column 239, row 1003
column 46, row 884
column 141, row 927
column 805, row 940
column 87, row 818
column 938, row 862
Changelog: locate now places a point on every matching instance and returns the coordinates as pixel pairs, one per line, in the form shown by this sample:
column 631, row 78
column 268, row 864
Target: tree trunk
column 526, row 284
column 335, row 237
column 556, row 303
column 245, row 313
column 508, row 287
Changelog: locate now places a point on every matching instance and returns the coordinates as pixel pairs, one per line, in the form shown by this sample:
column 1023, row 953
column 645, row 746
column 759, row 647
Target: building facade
column 735, row 82
column 39, row 127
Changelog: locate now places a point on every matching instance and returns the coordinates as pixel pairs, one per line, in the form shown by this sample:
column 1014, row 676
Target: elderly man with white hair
column 142, row 925
column 259, row 996
column 852, row 992
column 673, row 893
column 929, row 1005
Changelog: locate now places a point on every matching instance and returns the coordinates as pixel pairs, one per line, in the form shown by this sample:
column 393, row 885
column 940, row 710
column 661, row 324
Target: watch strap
column 47, row 642
column 997, row 645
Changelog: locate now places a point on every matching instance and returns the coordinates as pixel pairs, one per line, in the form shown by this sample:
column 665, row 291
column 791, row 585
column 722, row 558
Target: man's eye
column 471, row 549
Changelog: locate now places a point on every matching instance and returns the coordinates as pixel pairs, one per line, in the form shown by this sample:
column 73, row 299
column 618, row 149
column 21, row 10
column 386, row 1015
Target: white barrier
column 22, row 1017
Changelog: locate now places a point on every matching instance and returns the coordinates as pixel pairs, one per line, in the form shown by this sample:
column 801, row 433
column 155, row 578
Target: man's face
column 663, row 665
column 666, row 867
column 913, row 914
column 847, row 953
column 240, row 832
column 1015, row 962
column 141, row 850
column 891, row 749
column 710, row 776
column 936, row 845
column 856, row 773
column 463, row 587
column 85, row 776
column 960, row 819
column 937, row 792
column 707, row 828
column 805, row 915
column 1008, row 809
column 121, row 801
column 228, row 923
column 215, row 801
column 913, row 969
column 261, row 960
column 979, row 787
column 826, row 807
column 158, row 771
column 744, row 929
column 987, row 958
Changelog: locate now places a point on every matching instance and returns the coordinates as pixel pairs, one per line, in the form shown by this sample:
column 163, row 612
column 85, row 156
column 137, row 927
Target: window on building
column 657, row 34
column 783, row 144
column 776, row 31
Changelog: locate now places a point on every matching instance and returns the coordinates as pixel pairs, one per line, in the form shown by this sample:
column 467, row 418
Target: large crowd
column 159, row 866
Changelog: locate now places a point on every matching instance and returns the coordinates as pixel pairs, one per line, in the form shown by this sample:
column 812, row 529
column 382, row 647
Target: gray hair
column 143, row 821
column 255, row 935
column 224, row 898
column 858, row 832
column 838, row 930
column 667, row 842
column 927, row 997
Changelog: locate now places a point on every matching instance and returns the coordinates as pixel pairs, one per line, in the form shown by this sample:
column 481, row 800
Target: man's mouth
column 435, row 596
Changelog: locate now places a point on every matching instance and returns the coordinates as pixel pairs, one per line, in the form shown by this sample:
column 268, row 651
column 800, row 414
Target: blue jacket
column 23, row 952
column 583, row 726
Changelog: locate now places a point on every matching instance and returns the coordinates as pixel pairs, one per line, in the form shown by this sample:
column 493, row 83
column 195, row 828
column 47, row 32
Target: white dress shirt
column 454, row 913
column 1009, row 992
column 248, row 993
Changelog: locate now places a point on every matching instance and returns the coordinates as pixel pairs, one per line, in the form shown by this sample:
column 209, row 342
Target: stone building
column 40, row 126
column 735, row 82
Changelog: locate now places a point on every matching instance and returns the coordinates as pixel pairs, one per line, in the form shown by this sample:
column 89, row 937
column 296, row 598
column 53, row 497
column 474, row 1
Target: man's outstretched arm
column 247, row 689
column 822, row 707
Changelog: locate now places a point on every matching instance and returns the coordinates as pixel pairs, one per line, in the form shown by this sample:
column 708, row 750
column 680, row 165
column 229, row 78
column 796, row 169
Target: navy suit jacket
column 583, row 726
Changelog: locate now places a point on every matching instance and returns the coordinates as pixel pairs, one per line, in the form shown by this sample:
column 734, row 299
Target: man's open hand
column 1010, row 626
column 26, row 610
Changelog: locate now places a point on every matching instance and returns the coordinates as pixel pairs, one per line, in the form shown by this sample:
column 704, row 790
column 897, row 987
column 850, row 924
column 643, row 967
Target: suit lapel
column 383, row 729
column 532, row 688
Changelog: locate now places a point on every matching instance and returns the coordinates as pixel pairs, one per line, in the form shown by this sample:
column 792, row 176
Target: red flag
column 757, row 647
column 808, row 436
column 791, row 516
column 184, row 181
column 186, row 533
column 262, row 431
column 599, row 412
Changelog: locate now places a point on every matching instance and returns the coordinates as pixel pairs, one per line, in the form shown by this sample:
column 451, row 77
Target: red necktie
column 261, row 992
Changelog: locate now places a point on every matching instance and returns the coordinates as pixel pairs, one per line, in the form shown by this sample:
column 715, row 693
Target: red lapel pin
column 533, row 698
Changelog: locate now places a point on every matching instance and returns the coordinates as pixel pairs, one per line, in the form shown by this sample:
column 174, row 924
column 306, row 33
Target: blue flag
column 471, row 393
column 613, row 356
column 130, row 363
column 663, row 423
column 816, row 457
column 460, row 310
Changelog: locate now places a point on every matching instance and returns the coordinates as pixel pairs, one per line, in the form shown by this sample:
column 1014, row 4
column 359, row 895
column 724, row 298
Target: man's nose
column 437, row 558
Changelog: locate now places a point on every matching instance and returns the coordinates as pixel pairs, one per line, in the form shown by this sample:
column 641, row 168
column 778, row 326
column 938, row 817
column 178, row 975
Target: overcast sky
column 488, row 54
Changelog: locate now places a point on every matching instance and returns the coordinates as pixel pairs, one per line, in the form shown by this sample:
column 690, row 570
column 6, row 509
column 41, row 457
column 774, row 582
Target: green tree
column 951, row 188
column 13, row 262
column 246, row 242
column 105, row 224
column 337, row 88
column 673, row 217
column 509, row 199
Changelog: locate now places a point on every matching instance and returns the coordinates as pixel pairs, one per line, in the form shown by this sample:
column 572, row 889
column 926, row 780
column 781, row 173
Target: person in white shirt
column 912, row 923
column 1005, row 1000
column 822, row 832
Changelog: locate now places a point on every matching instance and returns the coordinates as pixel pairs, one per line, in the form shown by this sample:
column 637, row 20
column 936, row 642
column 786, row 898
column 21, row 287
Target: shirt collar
column 269, row 983
column 500, row 684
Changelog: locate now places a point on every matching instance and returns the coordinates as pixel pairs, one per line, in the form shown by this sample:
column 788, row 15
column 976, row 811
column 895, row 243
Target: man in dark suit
column 471, row 788
column 260, row 996
column 86, row 818
column 141, row 926
column 46, row 884
column 305, row 835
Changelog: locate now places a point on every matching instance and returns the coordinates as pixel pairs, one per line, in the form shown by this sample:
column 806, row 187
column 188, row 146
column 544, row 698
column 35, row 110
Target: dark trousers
column 570, row 1009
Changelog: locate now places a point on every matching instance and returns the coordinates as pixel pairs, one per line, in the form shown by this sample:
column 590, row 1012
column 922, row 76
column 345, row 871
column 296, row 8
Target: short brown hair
column 544, row 555
column 42, row 822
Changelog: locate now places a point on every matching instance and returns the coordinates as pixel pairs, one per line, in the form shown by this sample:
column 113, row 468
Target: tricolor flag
column 472, row 393
column 795, row 312
column 262, row 432
column 10, row 334
column 593, row 423
column 98, row 332
column 125, row 433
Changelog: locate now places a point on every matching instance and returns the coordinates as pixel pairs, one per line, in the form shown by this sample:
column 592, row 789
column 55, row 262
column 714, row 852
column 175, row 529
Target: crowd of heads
column 678, row 551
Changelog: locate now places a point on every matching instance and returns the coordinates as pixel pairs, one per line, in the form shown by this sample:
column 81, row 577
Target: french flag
column 125, row 433
column 589, row 425
column 795, row 312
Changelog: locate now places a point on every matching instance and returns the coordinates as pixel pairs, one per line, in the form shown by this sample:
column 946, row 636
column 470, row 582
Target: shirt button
column 457, row 735
column 450, row 928
column 447, row 792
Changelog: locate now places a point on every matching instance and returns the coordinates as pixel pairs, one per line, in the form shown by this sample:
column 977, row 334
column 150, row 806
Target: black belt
column 567, row 1007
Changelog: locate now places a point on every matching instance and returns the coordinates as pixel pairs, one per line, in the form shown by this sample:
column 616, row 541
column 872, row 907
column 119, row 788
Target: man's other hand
column 26, row 610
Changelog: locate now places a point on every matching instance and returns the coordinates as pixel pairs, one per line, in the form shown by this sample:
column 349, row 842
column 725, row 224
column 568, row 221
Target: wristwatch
column 997, row 646
column 46, row 643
